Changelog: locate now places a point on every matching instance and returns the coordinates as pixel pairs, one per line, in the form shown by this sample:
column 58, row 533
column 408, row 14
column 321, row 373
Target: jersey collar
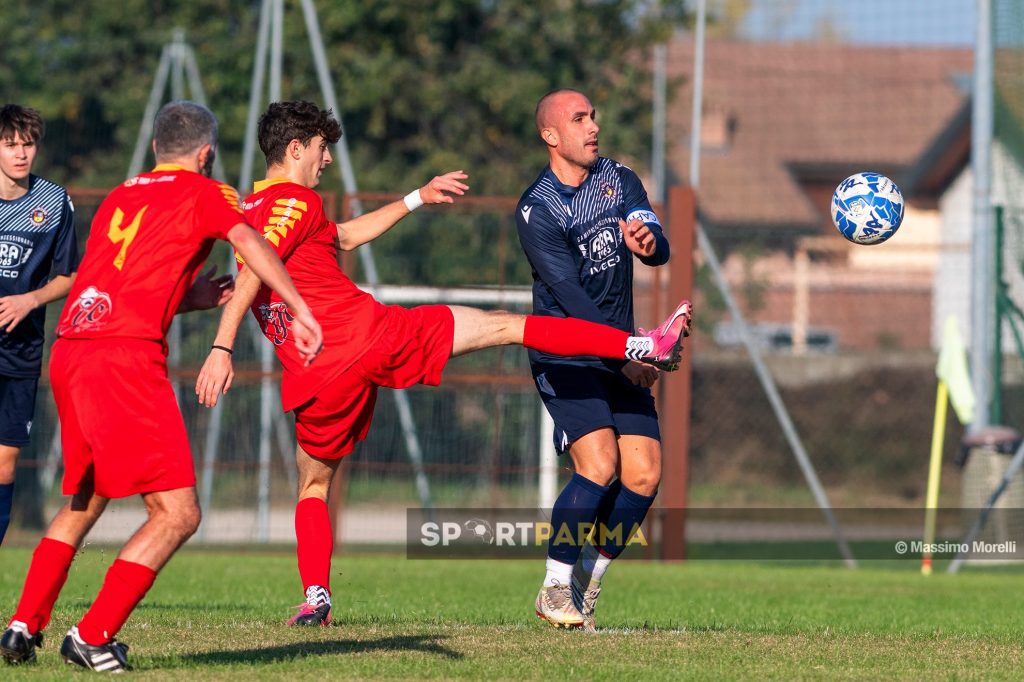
column 261, row 185
column 164, row 167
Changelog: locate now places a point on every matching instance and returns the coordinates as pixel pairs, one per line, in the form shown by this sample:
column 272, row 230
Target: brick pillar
column 674, row 402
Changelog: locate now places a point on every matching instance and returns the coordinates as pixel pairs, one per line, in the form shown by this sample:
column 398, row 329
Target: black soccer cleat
column 17, row 646
column 111, row 657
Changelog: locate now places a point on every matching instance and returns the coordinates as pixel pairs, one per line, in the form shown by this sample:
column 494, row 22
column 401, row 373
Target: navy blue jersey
column 37, row 239
column 581, row 265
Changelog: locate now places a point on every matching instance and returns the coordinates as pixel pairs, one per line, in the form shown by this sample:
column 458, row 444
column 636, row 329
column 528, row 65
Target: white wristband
column 413, row 200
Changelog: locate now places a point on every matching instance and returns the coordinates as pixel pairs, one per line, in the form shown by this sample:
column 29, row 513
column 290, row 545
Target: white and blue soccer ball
column 867, row 208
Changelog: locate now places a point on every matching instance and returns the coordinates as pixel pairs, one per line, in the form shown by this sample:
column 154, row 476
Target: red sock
column 46, row 576
column 123, row 588
column 569, row 336
column 314, row 542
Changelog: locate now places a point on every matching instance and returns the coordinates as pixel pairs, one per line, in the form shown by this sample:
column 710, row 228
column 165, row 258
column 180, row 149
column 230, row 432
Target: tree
column 422, row 87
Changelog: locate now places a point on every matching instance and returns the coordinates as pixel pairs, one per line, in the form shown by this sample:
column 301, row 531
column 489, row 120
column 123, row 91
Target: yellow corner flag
column 952, row 371
column 954, row 382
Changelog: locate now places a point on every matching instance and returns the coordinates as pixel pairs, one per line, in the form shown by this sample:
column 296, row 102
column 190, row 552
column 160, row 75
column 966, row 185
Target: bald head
column 546, row 114
column 567, row 123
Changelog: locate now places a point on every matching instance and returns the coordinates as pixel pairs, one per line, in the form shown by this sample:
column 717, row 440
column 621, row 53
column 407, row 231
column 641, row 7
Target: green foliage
column 422, row 87
column 89, row 66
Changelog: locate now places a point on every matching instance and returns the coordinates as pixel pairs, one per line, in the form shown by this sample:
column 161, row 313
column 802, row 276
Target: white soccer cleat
column 555, row 605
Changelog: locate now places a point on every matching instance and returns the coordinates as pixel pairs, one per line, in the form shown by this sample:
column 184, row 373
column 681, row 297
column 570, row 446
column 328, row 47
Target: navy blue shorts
column 584, row 399
column 17, row 404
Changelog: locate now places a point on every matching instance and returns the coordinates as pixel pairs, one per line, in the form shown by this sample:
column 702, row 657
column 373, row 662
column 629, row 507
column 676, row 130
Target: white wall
column 953, row 275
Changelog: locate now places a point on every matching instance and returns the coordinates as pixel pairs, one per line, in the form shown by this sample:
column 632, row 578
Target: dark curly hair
column 19, row 120
column 286, row 121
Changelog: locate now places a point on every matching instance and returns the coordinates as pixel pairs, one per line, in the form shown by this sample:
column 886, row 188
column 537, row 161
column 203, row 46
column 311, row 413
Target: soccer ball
column 867, row 208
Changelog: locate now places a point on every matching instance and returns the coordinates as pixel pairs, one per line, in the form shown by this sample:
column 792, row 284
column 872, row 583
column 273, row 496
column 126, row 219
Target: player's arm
column 16, row 307
column 218, row 372
column 369, row 226
column 641, row 230
column 645, row 239
column 208, row 291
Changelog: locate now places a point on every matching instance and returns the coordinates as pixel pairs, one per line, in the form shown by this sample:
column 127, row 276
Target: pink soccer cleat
column 667, row 340
column 316, row 610
column 312, row 615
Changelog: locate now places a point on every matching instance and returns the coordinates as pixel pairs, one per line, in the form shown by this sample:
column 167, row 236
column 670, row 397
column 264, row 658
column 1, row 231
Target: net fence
column 795, row 99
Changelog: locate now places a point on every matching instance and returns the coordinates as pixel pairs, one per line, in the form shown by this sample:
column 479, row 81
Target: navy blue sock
column 604, row 509
column 577, row 505
column 626, row 513
column 6, row 500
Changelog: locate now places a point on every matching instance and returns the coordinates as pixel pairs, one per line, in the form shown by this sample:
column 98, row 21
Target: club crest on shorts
column 89, row 311
column 275, row 320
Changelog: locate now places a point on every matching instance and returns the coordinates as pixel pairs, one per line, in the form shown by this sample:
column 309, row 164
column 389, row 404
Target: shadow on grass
column 428, row 644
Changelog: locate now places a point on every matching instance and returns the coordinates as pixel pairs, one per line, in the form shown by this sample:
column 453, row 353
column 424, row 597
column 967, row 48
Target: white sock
column 557, row 572
column 21, row 627
column 594, row 563
column 317, row 595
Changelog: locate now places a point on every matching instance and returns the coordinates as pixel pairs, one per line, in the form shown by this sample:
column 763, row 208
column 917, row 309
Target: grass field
column 218, row 614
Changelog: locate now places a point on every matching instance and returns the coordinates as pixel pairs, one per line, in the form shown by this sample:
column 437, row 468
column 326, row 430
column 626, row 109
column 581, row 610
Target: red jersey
column 293, row 223
column 148, row 240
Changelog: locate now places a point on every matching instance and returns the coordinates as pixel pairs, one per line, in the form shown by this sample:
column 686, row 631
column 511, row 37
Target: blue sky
column 914, row 22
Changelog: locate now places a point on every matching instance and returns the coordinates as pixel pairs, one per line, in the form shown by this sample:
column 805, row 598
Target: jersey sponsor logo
column 142, row 180
column 643, row 216
column 605, row 264
column 89, row 311
column 12, row 256
column 38, row 215
column 602, row 245
column 525, row 210
column 275, row 319
column 601, row 248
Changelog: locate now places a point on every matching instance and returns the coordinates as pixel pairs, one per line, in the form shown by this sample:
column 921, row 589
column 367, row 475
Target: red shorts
column 121, row 428
column 413, row 349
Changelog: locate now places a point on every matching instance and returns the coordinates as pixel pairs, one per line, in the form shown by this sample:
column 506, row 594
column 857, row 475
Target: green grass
column 218, row 614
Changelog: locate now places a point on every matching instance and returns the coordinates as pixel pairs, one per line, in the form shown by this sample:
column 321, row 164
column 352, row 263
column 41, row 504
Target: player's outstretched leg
column 111, row 657
column 662, row 346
